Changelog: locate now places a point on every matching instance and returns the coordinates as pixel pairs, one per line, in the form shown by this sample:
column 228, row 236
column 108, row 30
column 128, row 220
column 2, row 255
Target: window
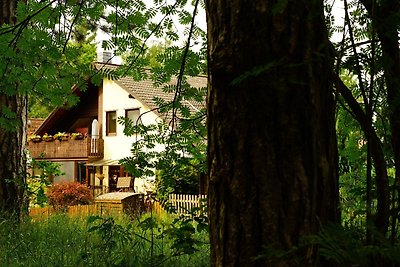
column 81, row 172
column 133, row 115
column 111, row 123
column 68, row 172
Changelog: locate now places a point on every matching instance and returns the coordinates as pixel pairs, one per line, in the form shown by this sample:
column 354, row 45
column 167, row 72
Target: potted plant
column 35, row 138
column 65, row 136
column 77, row 136
column 57, row 136
column 47, row 138
column 61, row 136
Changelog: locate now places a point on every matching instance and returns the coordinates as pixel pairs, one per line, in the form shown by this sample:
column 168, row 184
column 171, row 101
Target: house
column 94, row 159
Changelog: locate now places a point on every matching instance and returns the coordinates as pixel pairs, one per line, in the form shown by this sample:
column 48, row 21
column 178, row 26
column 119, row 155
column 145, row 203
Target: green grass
column 65, row 241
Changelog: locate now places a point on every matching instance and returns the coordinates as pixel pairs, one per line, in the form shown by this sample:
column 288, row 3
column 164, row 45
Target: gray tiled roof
column 146, row 92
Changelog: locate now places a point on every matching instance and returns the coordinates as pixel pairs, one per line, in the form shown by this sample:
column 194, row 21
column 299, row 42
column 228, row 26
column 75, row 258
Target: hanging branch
column 353, row 46
column 369, row 113
column 142, row 48
column 178, row 88
column 72, row 25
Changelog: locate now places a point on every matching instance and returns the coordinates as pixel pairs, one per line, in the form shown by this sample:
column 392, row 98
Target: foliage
column 47, row 137
column 82, row 39
column 34, row 137
column 38, row 108
column 337, row 246
column 67, row 194
column 39, row 55
column 167, row 241
column 175, row 148
column 36, row 185
column 340, row 246
column 361, row 63
column 77, row 136
column 178, row 157
column 179, row 236
column 114, row 237
column 60, row 136
column 352, row 158
column 184, row 229
column 64, row 241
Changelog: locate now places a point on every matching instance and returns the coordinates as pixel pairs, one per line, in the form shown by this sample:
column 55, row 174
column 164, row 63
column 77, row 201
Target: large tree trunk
column 13, row 157
column 7, row 11
column 12, row 135
column 272, row 144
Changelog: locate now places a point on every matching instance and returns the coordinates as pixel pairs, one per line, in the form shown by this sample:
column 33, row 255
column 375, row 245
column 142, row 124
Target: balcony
column 87, row 148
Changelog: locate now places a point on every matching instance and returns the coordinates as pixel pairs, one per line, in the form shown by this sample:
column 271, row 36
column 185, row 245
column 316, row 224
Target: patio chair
column 124, row 184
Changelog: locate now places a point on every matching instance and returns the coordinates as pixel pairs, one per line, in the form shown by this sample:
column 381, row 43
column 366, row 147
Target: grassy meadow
column 61, row 240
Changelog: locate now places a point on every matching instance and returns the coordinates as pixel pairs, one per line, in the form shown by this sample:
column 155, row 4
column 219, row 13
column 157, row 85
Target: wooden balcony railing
column 95, row 148
column 92, row 149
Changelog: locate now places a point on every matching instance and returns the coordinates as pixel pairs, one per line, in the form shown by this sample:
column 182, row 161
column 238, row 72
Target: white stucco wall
column 117, row 99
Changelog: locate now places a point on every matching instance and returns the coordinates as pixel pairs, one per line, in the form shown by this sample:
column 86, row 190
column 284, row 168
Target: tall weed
column 97, row 241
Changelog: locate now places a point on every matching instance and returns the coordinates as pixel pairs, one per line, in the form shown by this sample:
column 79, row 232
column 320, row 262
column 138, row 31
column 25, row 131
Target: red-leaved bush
column 68, row 194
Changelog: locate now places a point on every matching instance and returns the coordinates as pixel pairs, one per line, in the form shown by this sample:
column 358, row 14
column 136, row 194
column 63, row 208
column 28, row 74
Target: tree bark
column 12, row 135
column 272, row 153
column 13, row 158
column 7, row 12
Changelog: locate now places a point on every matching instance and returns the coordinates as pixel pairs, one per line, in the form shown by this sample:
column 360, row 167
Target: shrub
column 37, row 184
column 67, row 194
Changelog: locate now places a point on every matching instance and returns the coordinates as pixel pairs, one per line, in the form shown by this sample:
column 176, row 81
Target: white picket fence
column 184, row 203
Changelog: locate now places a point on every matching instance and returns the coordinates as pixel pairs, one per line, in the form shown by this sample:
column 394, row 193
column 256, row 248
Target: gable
column 76, row 118
column 81, row 115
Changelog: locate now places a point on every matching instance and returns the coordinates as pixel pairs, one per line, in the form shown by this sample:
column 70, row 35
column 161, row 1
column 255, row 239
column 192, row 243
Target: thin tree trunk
column 385, row 20
column 12, row 135
column 382, row 183
column 272, row 144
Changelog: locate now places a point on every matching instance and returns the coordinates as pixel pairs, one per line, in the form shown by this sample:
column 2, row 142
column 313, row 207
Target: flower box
column 36, row 139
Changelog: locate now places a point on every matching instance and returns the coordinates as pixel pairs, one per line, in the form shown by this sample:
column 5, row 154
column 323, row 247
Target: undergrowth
column 336, row 246
column 102, row 241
